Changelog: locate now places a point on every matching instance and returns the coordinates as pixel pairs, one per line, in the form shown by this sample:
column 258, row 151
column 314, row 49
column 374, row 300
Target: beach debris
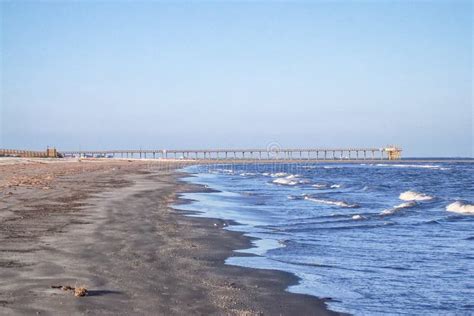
column 78, row 291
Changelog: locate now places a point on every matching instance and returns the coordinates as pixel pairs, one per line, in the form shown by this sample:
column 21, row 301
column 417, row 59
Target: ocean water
column 375, row 238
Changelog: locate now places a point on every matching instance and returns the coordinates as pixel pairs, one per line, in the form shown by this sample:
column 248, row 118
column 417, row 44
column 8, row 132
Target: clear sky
column 103, row 75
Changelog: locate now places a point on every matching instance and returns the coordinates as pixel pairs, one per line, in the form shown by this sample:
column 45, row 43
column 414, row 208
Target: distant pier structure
column 271, row 153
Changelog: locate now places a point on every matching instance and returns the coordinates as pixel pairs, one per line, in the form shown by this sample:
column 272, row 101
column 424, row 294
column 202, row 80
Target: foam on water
column 320, row 185
column 291, row 180
column 414, row 196
column 325, row 186
column 461, row 208
column 399, row 207
column 285, row 181
column 434, row 167
column 248, row 174
column 330, row 202
column 278, row 174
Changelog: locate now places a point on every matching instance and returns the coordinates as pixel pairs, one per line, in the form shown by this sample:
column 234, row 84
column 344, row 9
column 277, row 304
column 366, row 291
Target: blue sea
column 375, row 238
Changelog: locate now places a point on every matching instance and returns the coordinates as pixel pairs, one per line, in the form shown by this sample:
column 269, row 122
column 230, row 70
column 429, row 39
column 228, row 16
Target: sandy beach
column 111, row 228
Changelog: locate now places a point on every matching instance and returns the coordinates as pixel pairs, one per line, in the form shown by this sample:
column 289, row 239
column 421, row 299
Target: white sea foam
column 357, row 217
column 278, row 174
column 320, row 185
column 435, row 167
column 414, row 196
column 330, row 202
column 247, row 174
column 394, row 209
column 285, row 181
column 324, row 185
column 461, row 208
column 290, row 180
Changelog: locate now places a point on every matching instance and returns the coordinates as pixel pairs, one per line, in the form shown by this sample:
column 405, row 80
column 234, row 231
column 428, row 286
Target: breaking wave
column 248, row 174
column 414, row 196
column 435, row 167
column 394, row 209
column 330, row 202
column 320, row 185
column 275, row 174
column 290, row 180
column 278, row 174
column 325, row 186
column 285, row 181
column 461, row 208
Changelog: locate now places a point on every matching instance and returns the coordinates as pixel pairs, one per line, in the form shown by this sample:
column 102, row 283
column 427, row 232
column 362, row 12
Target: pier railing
column 387, row 153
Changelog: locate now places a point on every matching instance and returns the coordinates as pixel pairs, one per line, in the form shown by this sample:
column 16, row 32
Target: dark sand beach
column 110, row 227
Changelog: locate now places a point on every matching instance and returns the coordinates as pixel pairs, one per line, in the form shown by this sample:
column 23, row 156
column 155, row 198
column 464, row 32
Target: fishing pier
column 273, row 153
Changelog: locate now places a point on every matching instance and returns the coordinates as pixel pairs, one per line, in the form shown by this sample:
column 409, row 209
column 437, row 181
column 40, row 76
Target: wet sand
column 110, row 227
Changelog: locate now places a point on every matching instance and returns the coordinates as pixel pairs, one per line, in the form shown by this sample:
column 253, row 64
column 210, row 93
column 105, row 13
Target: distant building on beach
column 393, row 152
column 49, row 153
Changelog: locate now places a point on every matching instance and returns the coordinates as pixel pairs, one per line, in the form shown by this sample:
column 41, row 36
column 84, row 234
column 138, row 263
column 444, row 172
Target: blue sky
column 237, row 74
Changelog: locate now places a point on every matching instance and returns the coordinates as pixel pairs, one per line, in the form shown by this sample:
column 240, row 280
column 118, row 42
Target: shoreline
column 81, row 228
column 241, row 241
column 245, row 242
